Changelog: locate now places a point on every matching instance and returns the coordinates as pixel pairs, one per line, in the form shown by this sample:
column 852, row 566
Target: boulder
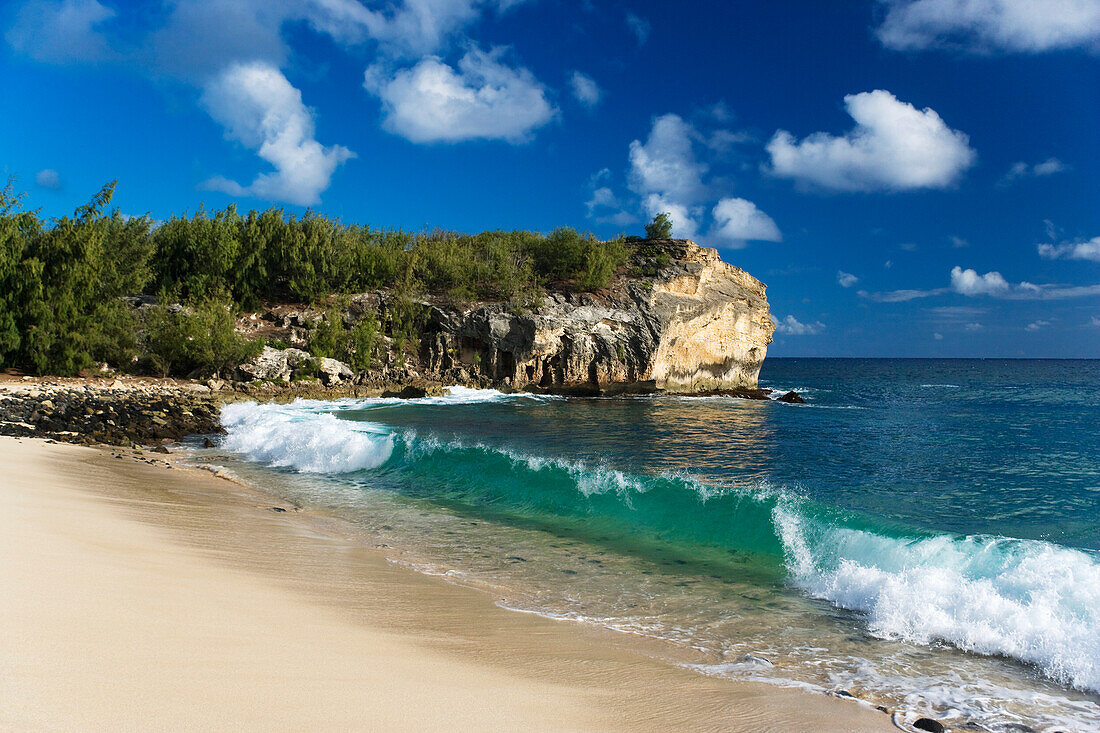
column 333, row 371
column 791, row 398
column 928, row 724
column 273, row 364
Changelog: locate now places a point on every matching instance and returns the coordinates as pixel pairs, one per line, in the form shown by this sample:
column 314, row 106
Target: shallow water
column 923, row 534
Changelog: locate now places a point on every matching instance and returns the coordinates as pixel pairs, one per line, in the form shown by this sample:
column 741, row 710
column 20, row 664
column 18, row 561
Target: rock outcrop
column 695, row 324
column 284, row 364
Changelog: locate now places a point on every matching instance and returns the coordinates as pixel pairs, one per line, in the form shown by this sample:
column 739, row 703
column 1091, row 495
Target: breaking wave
column 1031, row 600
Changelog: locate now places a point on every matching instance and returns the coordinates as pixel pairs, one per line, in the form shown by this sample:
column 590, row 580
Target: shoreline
column 138, row 597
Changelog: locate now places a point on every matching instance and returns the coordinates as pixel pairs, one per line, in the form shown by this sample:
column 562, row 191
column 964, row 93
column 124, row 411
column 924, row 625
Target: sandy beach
column 138, row 597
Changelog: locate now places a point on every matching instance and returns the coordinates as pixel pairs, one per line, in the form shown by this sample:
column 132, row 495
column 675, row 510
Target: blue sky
column 909, row 177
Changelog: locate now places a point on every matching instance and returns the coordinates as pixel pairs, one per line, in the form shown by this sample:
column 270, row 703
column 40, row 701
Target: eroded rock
column 699, row 325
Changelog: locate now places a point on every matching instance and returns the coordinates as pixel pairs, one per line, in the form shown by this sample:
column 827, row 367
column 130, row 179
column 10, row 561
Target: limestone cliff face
column 694, row 324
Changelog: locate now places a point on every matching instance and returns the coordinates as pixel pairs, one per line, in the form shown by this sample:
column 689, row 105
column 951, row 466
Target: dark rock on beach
column 930, row 725
column 116, row 413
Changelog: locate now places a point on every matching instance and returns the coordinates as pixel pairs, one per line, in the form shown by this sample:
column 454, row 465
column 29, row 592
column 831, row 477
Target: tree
column 660, row 227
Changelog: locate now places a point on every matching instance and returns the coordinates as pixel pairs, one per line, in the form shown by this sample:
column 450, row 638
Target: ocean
column 922, row 535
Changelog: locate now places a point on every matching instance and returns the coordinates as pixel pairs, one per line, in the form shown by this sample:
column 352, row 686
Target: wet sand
column 138, row 597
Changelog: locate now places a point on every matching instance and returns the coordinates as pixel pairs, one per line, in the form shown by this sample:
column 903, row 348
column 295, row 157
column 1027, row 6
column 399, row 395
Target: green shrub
column 660, row 227
column 62, row 280
column 332, row 338
column 196, row 340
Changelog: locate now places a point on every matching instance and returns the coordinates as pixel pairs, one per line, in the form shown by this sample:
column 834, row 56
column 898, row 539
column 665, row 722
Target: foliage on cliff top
column 62, row 280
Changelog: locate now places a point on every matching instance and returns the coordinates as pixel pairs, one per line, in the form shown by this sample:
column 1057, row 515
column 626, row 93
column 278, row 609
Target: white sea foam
column 295, row 436
column 1030, row 600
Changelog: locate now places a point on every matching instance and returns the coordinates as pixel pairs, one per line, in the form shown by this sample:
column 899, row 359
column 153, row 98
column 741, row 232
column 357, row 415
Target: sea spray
column 282, row 436
column 1026, row 599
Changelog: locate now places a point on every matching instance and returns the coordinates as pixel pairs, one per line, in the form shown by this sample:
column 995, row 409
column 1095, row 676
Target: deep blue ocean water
column 924, row 534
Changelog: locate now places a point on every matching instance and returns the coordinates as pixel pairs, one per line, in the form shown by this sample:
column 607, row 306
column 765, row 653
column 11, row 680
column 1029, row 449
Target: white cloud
column 48, row 178
column 483, row 99
column 1019, row 170
column 666, row 164
column 200, row 37
column 901, row 296
column 262, row 110
column 684, row 218
column 585, row 89
column 1094, row 321
column 938, row 336
column 973, row 327
column 791, row 326
column 737, row 221
column 1089, row 250
column 666, row 176
column 639, row 26
column 988, row 25
column 845, row 279
column 970, row 283
column 1037, row 325
column 61, row 32
column 893, row 147
column 958, row 242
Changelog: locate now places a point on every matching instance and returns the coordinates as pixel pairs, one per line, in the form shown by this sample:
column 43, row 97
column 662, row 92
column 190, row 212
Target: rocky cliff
column 676, row 318
column 684, row 321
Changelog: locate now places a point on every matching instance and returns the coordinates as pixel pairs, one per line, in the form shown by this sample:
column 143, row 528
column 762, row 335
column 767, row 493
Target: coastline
column 137, row 597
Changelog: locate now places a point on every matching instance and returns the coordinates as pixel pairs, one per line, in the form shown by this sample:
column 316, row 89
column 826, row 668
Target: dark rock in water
column 843, row 693
column 791, row 398
column 408, row 393
column 207, row 443
column 277, row 509
column 1020, row 728
column 932, row 726
column 160, row 449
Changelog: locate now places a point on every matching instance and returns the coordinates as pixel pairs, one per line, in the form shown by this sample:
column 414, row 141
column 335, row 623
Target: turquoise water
column 923, row 534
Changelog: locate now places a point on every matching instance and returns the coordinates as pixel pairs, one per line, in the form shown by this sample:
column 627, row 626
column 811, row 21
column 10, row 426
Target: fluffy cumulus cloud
column 665, row 163
column 667, row 175
column 585, row 89
column 969, row 282
column 61, row 32
column 845, row 279
column 791, row 326
column 262, row 110
column 1028, row 26
column 482, row 99
column 1089, row 250
column 48, row 178
column 736, row 221
column 893, row 147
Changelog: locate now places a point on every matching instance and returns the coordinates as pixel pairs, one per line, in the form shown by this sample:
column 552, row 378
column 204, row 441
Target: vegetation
column 62, row 281
column 660, row 227
column 354, row 344
column 196, row 340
